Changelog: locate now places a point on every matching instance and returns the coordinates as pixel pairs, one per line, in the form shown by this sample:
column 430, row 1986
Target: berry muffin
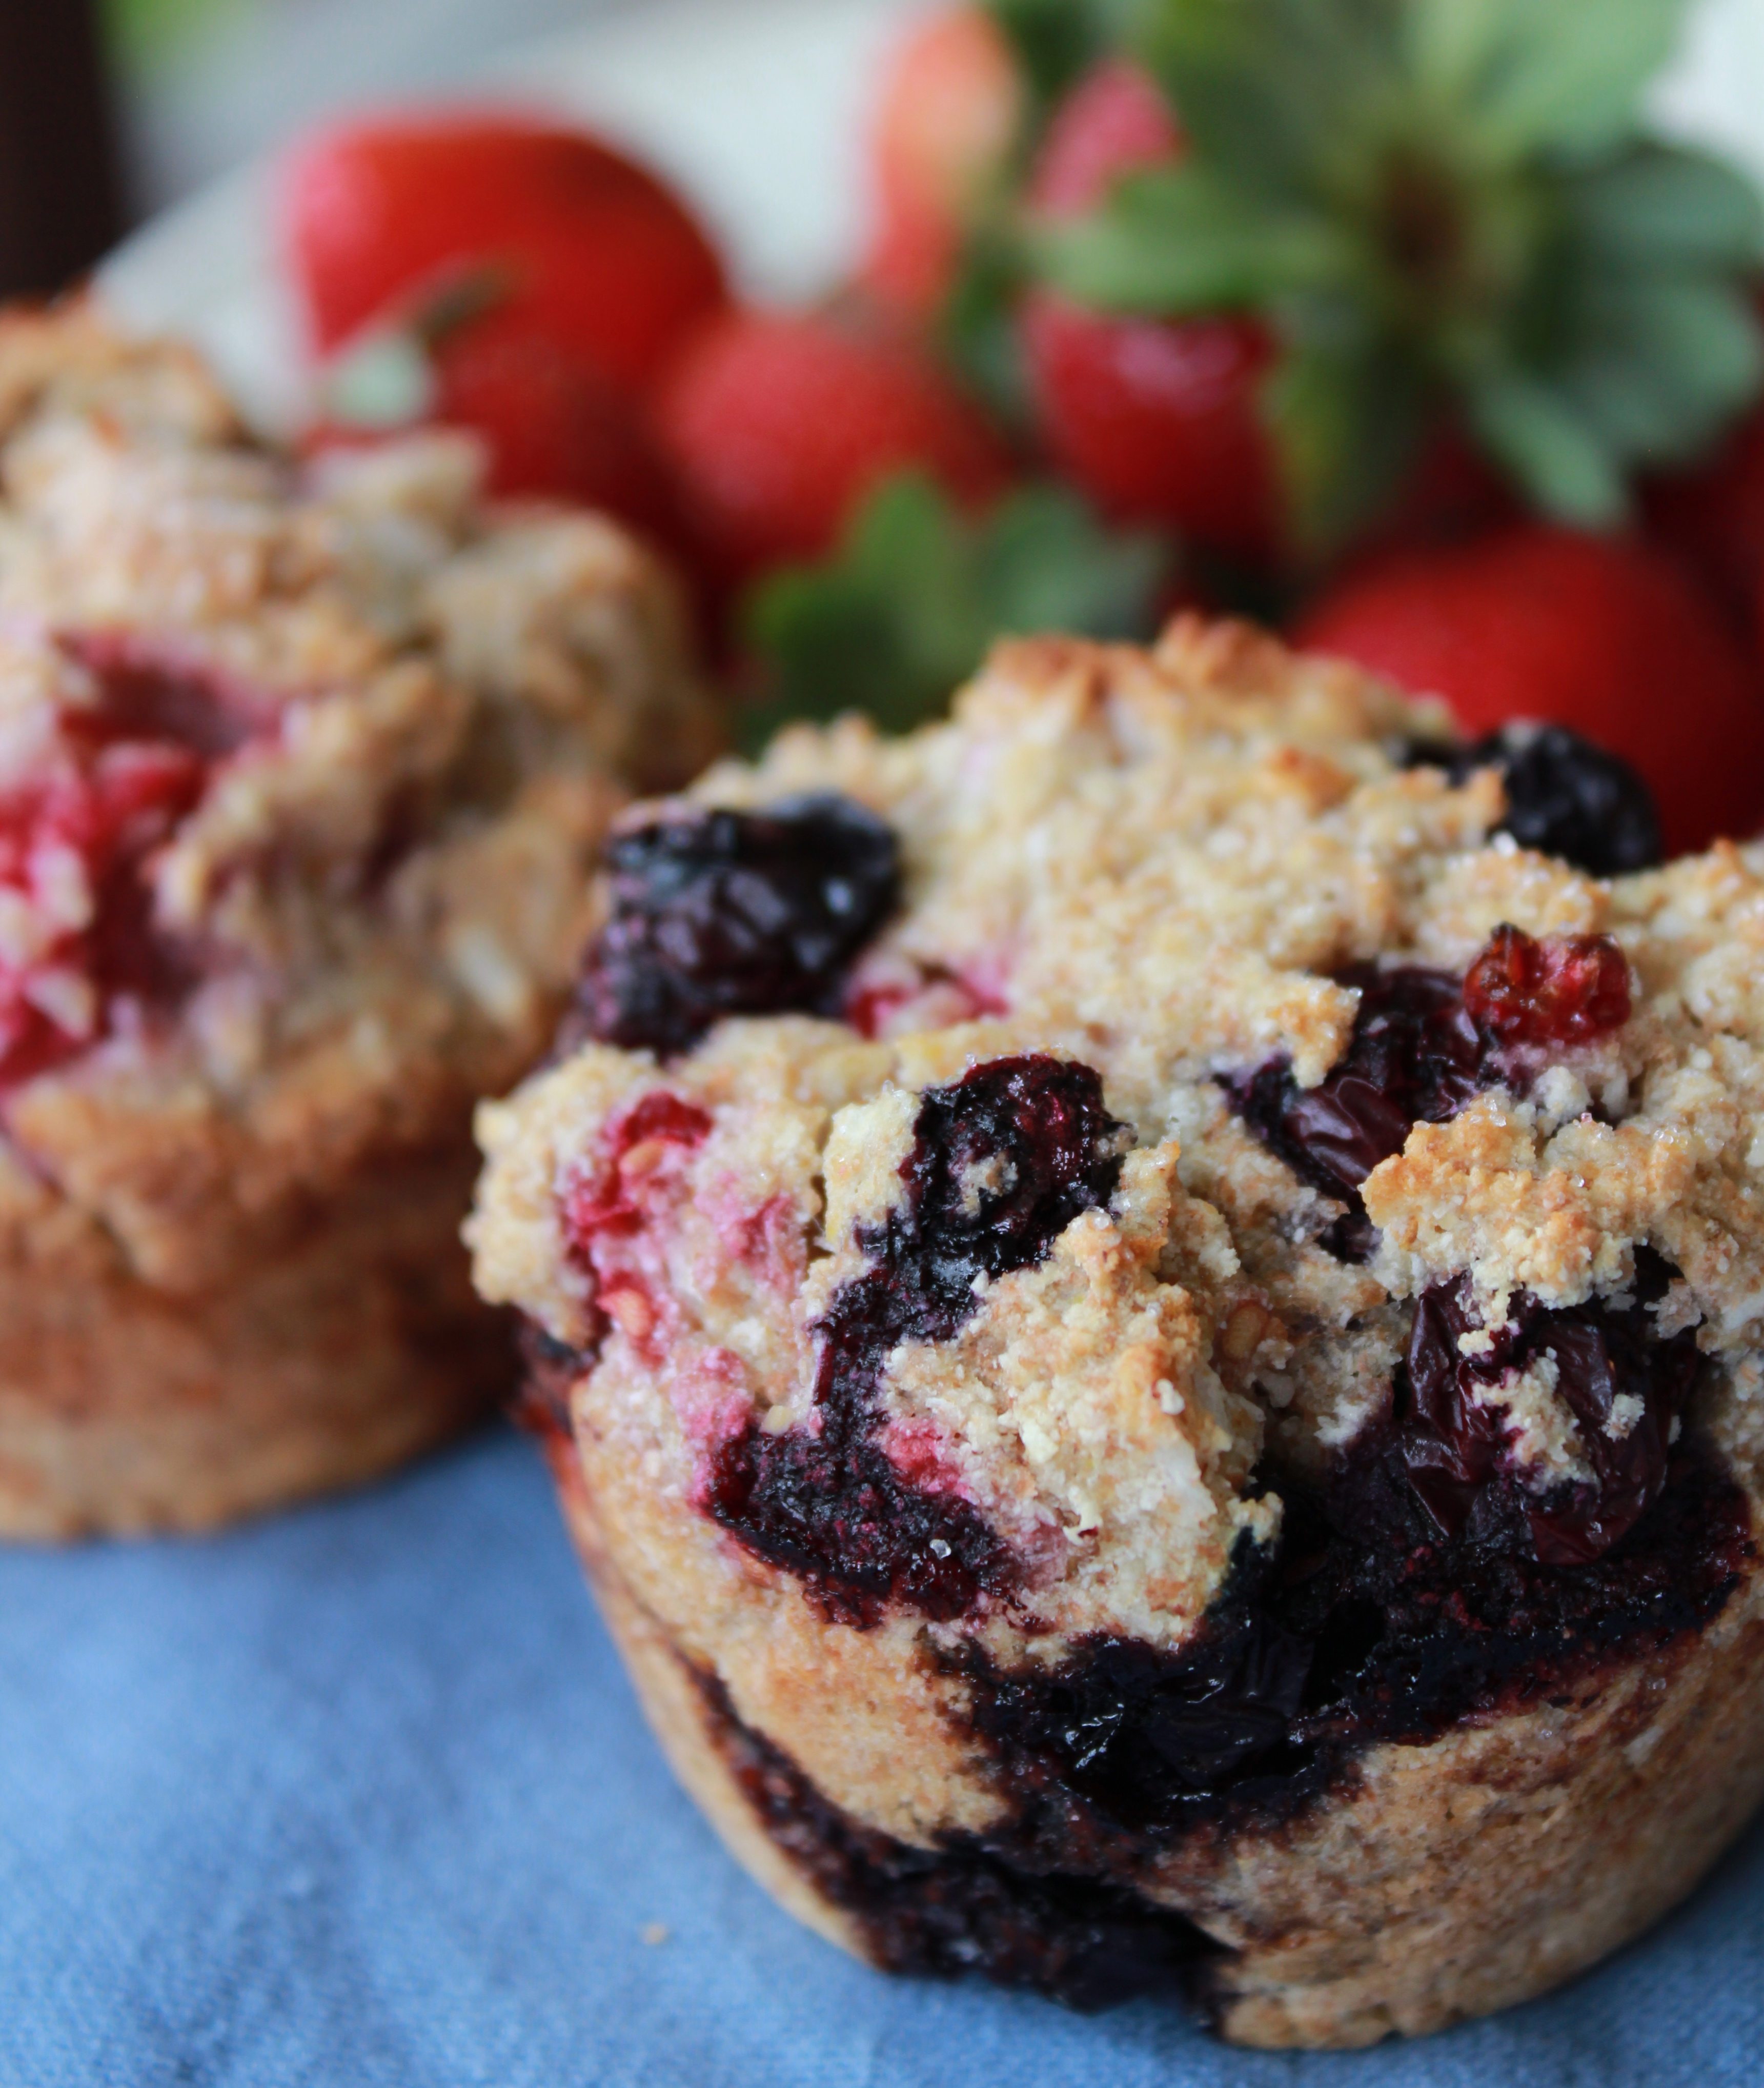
column 1147, row 1308
column 303, row 770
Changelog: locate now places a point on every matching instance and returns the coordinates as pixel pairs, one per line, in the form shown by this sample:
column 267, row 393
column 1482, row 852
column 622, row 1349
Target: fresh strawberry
column 1156, row 420
column 587, row 246
column 951, row 106
column 1114, row 120
column 552, row 423
column 1715, row 516
column 1606, row 635
column 1415, row 227
column 778, row 424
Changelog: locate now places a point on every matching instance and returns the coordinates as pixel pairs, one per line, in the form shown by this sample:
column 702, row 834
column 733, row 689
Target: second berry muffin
column 1148, row 1307
column 302, row 772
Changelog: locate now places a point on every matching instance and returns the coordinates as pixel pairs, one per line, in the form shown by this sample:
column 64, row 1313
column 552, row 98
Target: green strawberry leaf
column 1347, row 427
column 1180, row 240
column 1549, row 449
column 1660, row 365
column 1267, row 89
column 902, row 613
column 1440, row 206
column 1044, row 562
column 1661, row 204
column 1563, row 76
column 977, row 325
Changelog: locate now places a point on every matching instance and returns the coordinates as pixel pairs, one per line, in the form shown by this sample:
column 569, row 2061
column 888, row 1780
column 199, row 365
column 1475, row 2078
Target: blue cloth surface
column 360, row 1796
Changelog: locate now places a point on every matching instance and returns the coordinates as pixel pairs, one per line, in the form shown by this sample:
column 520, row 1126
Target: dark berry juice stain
column 1565, row 796
column 1357, row 1629
column 1364, row 1626
column 964, row 1908
column 1426, row 1043
column 726, row 913
column 1002, row 1161
column 1421, row 1585
column 1125, row 1740
column 1453, row 1442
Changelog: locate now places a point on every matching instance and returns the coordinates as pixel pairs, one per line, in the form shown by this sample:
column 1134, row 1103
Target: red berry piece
column 591, row 247
column 951, row 106
column 609, row 1201
column 615, row 1209
column 778, row 424
column 1606, row 635
column 1157, row 420
column 75, row 845
column 1565, row 990
column 1423, row 1046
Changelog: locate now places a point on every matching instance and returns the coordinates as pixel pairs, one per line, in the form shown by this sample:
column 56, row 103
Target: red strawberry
column 777, row 424
column 1113, row 120
column 952, row 103
column 593, row 249
column 1714, row 514
column 552, row 423
column 1156, row 420
column 1606, row 635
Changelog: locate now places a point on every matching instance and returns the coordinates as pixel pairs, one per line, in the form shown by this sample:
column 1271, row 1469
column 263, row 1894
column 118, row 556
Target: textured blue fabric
column 359, row 1797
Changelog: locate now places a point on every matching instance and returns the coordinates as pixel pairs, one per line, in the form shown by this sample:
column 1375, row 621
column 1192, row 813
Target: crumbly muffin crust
column 301, row 767
column 1172, row 868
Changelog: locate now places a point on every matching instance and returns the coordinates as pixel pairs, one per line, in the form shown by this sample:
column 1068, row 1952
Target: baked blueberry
column 1566, row 796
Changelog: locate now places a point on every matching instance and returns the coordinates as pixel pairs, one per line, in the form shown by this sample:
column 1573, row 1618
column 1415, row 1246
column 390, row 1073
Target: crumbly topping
column 1159, row 863
column 402, row 718
column 1542, row 1437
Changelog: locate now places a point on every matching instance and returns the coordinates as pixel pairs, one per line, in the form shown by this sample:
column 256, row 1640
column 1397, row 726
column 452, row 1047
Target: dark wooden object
column 61, row 188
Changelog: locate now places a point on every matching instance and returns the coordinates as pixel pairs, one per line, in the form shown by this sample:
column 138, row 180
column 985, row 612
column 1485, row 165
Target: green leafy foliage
column 1056, row 41
column 1441, row 204
column 149, row 34
column 1181, row 239
column 904, row 612
column 977, row 327
column 1564, row 75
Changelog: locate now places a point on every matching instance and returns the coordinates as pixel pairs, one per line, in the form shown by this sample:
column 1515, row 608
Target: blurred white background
column 212, row 82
